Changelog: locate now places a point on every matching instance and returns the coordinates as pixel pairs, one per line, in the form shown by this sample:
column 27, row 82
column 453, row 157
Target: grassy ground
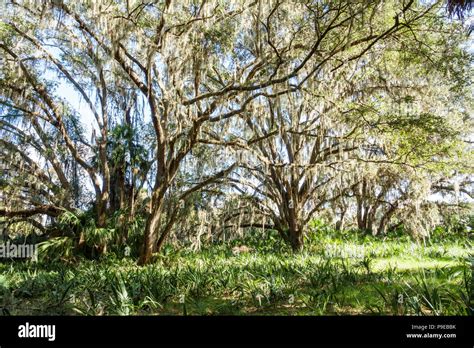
column 342, row 274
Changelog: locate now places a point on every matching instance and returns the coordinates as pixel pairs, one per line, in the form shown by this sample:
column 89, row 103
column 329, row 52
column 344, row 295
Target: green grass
column 337, row 274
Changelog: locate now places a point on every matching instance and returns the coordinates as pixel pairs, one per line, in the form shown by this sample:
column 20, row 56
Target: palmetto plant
column 211, row 282
column 57, row 248
column 120, row 299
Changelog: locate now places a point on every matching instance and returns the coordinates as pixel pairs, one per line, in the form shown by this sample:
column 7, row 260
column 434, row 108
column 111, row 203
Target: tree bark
column 385, row 220
column 149, row 244
column 296, row 240
column 152, row 224
column 340, row 222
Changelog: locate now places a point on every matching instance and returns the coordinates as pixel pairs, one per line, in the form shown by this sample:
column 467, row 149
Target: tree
column 165, row 83
column 308, row 150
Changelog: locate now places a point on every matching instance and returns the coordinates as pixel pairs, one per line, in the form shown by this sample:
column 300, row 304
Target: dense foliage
column 343, row 273
column 196, row 137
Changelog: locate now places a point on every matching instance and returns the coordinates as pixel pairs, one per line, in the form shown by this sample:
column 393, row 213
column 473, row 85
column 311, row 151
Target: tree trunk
column 360, row 222
column 340, row 222
column 162, row 239
column 101, row 215
column 102, row 220
column 101, row 207
column 149, row 244
column 296, row 240
column 385, row 220
column 371, row 219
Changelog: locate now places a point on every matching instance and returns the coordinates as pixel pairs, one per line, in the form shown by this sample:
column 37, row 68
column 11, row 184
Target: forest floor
column 343, row 274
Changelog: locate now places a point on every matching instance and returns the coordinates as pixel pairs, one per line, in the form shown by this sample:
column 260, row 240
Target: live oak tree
column 422, row 138
column 165, row 82
column 306, row 151
column 296, row 166
column 33, row 95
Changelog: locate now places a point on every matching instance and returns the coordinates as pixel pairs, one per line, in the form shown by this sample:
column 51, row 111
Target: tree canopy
column 132, row 122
